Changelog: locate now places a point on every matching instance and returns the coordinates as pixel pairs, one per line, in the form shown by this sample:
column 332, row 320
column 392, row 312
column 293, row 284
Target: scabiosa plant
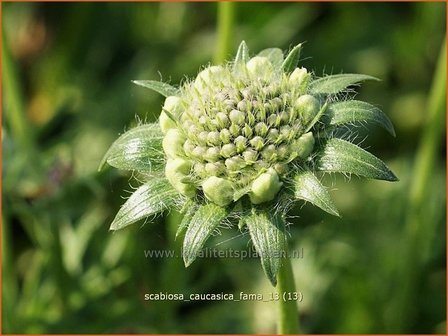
column 240, row 144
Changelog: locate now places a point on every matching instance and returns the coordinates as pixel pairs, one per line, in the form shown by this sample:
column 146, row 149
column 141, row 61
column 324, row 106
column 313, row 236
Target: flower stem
column 288, row 314
column 418, row 229
column 15, row 107
column 226, row 14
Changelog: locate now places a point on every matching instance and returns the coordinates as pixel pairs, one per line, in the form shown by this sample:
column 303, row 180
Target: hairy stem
column 288, row 314
column 226, row 14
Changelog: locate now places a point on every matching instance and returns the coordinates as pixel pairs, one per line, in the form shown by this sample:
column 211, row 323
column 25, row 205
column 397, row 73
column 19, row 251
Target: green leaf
column 308, row 188
column 163, row 88
column 204, row 221
column 344, row 157
column 316, row 118
column 242, row 56
column 268, row 235
column 275, row 55
column 138, row 149
column 150, row 199
column 352, row 111
column 337, row 83
column 189, row 210
column 292, row 59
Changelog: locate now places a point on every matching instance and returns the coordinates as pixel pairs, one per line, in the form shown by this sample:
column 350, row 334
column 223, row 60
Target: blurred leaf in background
column 67, row 71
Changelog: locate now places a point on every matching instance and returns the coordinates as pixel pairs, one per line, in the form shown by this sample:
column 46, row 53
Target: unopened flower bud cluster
column 229, row 130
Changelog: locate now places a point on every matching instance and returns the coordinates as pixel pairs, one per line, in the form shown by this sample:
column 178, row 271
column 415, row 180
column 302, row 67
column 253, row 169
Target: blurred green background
column 67, row 94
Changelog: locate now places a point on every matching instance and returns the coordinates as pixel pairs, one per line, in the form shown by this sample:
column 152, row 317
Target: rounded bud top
column 265, row 187
column 176, row 171
column 228, row 150
column 207, row 76
column 172, row 104
column 304, row 145
column 166, row 122
column 237, row 117
column 218, row 190
column 308, row 107
column 299, row 79
column 259, row 67
column 173, row 143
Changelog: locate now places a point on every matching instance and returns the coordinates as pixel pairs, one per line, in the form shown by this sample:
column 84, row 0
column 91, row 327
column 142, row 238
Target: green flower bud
column 218, row 190
column 212, row 154
column 225, row 135
column 299, row 78
column 228, row 150
column 235, row 163
column 281, row 168
column 269, row 153
column 244, row 105
column 188, row 148
column 223, row 119
column 304, row 145
column 206, row 77
column 173, row 143
column 259, row 67
column 166, row 122
column 257, row 142
column 250, row 156
column 308, row 107
column 215, row 168
column 265, row 187
column 240, row 143
column 172, row 105
column 234, row 130
column 273, row 135
column 237, row 117
column 176, row 172
column 213, row 138
column 247, row 131
column 199, row 152
column 199, row 169
column 261, row 129
column 202, row 137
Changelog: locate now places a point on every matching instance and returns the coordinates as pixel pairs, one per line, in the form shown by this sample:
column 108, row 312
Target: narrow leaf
column 352, row 111
column 275, row 55
column 292, row 59
column 138, row 149
column 201, row 226
column 308, row 188
column 344, row 157
column 163, row 88
column 268, row 235
column 188, row 211
column 317, row 117
column 337, row 83
column 150, row 199
column 242, row 56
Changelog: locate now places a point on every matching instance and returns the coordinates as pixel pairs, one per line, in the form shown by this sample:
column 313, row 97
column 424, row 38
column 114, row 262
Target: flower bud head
column 308, row 107
column 265, row 187
column 218, row 190
column 304, row 145
column 173, row 143
column 259, row 67
column 177, row 171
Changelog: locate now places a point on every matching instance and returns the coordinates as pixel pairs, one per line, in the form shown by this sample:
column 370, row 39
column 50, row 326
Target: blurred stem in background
column 288, row 315
column 419, row 231
column 226, row 16
column 15, row 107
